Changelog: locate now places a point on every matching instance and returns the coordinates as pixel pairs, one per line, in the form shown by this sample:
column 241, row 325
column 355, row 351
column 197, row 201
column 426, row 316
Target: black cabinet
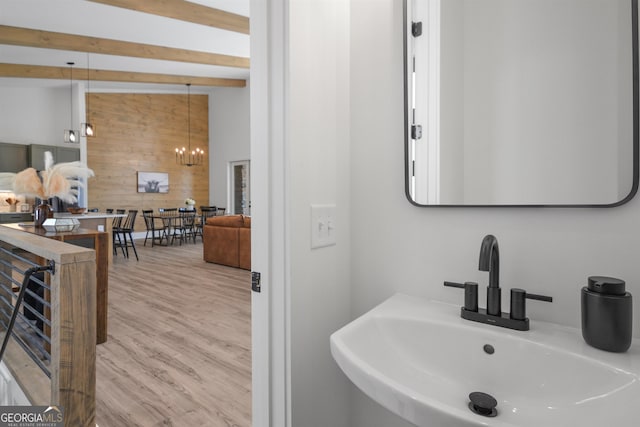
column 11, row 217
column 13, row 157
column 66, row 154
column 60, row 155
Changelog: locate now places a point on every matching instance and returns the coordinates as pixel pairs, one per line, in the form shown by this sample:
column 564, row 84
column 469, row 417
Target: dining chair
column 125, row 234
column 184, row 226
column 150, row 224
column 205, row 212
column 168, row 217
column 115, row 226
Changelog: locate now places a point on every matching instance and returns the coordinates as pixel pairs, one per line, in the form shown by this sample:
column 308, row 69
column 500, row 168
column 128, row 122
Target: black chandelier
column 184, row 156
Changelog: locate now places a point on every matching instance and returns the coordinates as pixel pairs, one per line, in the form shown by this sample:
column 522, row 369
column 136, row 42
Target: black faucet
column 493, row 315
column 490, row 261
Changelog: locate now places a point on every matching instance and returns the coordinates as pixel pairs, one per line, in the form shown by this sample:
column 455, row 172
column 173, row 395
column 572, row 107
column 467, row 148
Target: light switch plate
column 323, row 226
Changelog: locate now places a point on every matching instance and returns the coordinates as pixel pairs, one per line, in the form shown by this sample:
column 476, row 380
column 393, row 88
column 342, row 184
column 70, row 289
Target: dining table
column 174, row 220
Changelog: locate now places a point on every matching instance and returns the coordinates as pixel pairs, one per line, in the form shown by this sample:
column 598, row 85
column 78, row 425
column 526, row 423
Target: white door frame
column 270, row 314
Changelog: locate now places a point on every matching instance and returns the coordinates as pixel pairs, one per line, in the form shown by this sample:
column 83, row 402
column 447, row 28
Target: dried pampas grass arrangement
column 61, row 180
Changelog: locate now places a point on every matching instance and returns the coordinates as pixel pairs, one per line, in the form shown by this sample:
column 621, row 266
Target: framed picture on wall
column 153, row 182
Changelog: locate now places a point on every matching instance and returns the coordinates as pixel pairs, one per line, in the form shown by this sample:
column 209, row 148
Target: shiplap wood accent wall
column 139, row 132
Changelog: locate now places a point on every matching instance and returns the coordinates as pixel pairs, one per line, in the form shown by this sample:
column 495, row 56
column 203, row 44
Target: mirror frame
column 636, row 123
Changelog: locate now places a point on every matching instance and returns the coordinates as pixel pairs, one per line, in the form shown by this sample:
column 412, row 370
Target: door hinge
column 255, row 281
column 416, row 131
column 416, row 29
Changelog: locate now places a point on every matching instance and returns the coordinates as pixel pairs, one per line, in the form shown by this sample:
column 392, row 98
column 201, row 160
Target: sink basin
column 419, row 359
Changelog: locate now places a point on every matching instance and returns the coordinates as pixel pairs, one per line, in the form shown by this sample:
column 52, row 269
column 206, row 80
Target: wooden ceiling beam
column 18, row 36
column 185, row 11
column 44, row 72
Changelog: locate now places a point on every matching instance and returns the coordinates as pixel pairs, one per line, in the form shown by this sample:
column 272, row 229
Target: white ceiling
column 240, row 7
column 87, row 18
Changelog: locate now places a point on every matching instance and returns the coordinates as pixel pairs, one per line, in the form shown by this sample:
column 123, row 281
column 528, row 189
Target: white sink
column 420, row 360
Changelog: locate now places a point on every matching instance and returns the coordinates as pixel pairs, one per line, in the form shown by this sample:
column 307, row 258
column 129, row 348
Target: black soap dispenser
column 606, row 314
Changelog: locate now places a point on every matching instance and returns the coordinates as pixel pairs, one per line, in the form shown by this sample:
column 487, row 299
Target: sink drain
column 483, row 404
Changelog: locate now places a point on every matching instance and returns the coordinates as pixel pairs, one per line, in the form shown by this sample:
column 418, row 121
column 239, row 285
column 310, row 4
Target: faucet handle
column 470, row 294
column 518, row 303
column 454, row 284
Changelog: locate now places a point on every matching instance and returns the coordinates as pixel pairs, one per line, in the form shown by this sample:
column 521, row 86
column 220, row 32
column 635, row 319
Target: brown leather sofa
column 227, row 240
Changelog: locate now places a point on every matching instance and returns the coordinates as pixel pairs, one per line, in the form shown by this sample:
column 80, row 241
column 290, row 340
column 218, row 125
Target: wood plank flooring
column 179, row 342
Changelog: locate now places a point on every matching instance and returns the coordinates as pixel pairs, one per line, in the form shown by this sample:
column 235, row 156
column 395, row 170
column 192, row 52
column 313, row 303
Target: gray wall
column 518, row 71
column 396, row 247
column 34, row 115
column 319, row 173
column 229, row 137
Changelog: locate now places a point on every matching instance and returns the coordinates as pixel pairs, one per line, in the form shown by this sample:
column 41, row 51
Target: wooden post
column 73, row 308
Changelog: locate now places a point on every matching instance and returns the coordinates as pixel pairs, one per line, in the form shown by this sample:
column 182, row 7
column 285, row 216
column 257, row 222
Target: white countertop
column 88, row 215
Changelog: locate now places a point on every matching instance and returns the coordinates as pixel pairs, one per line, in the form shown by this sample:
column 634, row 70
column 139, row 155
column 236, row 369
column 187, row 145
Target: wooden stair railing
column 71, row 383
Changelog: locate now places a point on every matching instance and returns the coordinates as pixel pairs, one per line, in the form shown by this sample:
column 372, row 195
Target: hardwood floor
column 178, row 351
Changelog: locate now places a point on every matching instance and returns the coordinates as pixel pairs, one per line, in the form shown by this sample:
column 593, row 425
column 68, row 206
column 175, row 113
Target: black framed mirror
column 521, row 102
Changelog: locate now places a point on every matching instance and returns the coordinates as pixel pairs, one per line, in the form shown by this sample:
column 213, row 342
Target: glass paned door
column 239, row 194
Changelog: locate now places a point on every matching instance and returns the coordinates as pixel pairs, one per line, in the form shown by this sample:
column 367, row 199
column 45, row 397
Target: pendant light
column 70, row 135
column 88, row 129
column 188, row 157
